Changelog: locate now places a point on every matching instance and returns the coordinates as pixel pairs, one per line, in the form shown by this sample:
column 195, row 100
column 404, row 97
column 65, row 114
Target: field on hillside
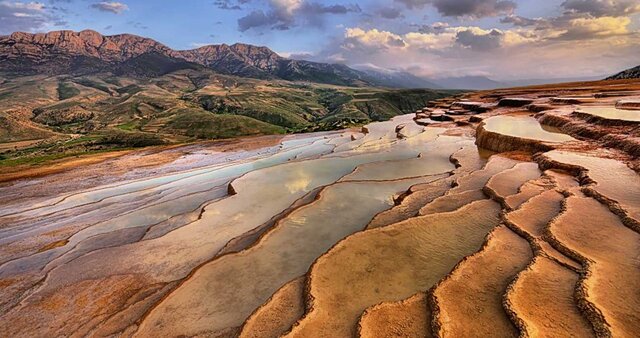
column 45, row 118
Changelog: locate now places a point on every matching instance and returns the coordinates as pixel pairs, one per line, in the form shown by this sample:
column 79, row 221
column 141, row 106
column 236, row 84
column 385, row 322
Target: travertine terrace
column 506, row 213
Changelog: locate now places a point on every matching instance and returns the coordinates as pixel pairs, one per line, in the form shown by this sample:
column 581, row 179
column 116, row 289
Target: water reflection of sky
column 525, row 127
column 613, row 113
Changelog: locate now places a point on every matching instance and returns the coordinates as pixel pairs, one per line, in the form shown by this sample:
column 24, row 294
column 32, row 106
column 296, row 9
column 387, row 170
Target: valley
column 48, row 118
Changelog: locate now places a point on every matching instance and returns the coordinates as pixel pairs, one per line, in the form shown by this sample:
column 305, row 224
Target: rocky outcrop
column 632, row 73
column 620, row 195
column 610, row 133
column 59, row 117
column 571, row 100
column 514, row 102
column 607, row 249
column 68, row 52
column 441, row 117
column 406, row 318
column 88, row 52
column 613, row 120
column 498, row 142
column 545, row 304
column 469, row 300
column 401, row 260
column 536, row 108
column 628, row 104
column 614, row 93
column 277, row 315
column 43, row 46
column 408, row 205
column 471, row 106
column 234, row 59
column 509, row 182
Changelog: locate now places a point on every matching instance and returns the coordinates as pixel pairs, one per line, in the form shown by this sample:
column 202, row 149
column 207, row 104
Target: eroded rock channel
column 506, row 213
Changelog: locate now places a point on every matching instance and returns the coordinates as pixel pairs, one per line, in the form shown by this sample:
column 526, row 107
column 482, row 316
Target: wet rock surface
column 504, row 213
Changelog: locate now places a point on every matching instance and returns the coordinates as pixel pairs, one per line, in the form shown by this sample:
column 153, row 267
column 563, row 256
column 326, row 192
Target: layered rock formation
column 398, row 230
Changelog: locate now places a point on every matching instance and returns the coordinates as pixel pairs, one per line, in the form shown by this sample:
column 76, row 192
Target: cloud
column 284, row 14
column 441, row 40
column 595, row 28
column 111, row 7
column 389, row 13
column 500, row 53
column 296, row 55
column 520, row 21
column 24, row 16
column 572, row 26
column 137, row 24
column 479, row 39
column 227, row 4
column 256, row 19
column 199, row 44
column 600, row 8
column 468, row 8
column 373, row 39
column 436, row 27
column 474, row 8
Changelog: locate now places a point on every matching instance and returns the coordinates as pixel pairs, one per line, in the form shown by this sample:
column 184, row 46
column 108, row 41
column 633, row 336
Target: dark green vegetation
column 632, row 73
column 70, row 115
column 66, row 90
column 202, row 124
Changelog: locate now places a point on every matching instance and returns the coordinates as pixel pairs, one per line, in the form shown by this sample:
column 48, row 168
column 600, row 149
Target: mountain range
column 89, row 52
column 66, row 83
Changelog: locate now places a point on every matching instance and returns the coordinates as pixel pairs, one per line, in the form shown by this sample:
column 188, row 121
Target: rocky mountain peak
column 87, row 51
column 87, row 43
column 122, row 47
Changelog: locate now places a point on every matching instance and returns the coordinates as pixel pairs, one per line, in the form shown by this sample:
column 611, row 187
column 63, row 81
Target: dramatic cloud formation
column 565, row 45
column 357, row 38
column 520, row 21
column 438, row 40
column 497, row 38
column 479, row 39
column 23, row 16
column 283, row 14
column 111, row 7
column 590, row 28
column 470, row 8
column 582, row 20
column 389, row 12
column 474, row 8
column 603, row 7
column 228, row 4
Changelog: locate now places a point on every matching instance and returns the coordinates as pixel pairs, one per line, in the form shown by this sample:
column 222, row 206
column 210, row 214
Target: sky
column 500, row 39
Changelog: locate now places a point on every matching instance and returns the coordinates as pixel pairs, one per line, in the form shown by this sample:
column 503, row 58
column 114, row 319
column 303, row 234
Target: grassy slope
column 98, row 113
column 202, row 124
column 66, row 90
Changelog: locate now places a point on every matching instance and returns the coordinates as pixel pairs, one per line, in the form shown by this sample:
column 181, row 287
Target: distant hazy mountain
column 632, row 73
column 482, row 82
column 468, row 82
column 87, row 52
column 534, row 82
column 396, row 79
